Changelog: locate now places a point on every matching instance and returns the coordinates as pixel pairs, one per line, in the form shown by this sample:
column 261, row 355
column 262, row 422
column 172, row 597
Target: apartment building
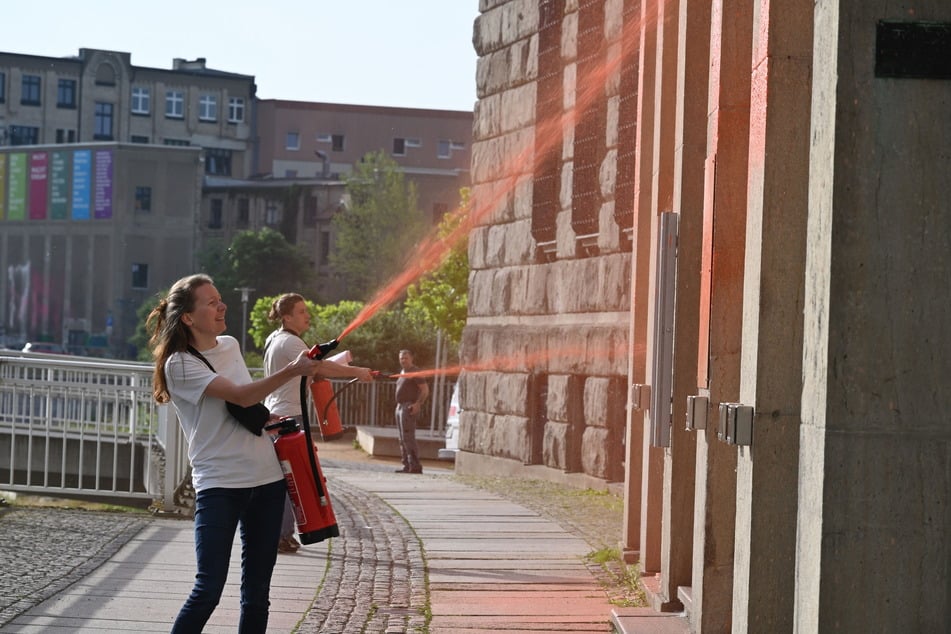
column 308, row 139
column 253, row 164
column 101, row 96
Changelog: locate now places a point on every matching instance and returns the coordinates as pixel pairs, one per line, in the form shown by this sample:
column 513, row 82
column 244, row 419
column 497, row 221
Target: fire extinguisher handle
column 321, row 349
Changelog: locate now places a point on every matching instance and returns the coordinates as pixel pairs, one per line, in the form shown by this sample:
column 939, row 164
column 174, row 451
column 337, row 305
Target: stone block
column 554, row 445
column 518, row 107
column 507, row 437
column 507, row 393
column 557, row 403
column 594, row 452
column 569, row 36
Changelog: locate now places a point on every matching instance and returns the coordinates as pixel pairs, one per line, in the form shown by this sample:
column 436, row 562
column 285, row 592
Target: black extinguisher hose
column 305, row 423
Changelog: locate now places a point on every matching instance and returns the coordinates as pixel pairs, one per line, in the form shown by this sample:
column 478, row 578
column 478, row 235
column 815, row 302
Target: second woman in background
column 282, row 346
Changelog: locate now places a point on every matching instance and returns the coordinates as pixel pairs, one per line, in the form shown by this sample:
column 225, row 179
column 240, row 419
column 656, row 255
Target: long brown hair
column 169, row 332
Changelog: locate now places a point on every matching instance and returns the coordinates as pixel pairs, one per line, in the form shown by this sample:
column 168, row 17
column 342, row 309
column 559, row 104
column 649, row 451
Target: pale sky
column 411, row 53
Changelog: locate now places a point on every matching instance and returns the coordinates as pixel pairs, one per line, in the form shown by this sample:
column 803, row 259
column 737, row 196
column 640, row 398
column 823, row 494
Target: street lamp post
column 244, row 313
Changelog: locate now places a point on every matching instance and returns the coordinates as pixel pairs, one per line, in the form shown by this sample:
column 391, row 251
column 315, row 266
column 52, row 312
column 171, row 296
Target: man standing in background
column 411, row 393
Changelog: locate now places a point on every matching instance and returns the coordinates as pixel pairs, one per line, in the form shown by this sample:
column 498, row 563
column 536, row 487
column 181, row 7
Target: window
column 244, row 212
column 208, row 108
column 310, row 211
column 140, row 275
column 178, row 142
column 103, row 122
column 24, row 135
column 30, row 91
column 292, row 141
column 290, row 173
column 400, row 145
column 217, row 161
column 272, row 216
column 335, row 141
column 446, row 146
column 214, row 219
column 3, row 87
column 235, row 110
column 174, row 104
column 143, row 199
column 136, row 138
column 65, row 135
column 66, row 93
column 141, row 100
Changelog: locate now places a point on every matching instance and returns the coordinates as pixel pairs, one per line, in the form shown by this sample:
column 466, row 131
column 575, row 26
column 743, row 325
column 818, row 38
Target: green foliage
column 371, row 344
column 375, row 233
column 440, row 298
column 140, row 338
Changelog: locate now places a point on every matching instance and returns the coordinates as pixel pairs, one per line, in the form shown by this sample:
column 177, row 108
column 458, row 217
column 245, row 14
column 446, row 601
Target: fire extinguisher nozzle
column 321, row 349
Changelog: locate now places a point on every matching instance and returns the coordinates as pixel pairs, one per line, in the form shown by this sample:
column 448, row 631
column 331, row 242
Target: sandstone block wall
column 545, row 347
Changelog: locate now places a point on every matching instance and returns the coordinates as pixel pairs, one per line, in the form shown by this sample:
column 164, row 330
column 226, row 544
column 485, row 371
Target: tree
column 441, row 297
column 376, row 231
column 263, row 260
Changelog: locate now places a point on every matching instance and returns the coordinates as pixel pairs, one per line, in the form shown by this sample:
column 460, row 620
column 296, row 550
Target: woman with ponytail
column 236, row 475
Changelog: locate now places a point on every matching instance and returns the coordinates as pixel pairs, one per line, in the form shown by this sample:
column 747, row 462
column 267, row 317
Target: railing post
column 168, row 432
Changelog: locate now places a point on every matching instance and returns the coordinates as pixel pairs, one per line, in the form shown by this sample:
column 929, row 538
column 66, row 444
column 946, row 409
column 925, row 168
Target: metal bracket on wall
column 735, row 426
column 640, row 396
column 697, row 412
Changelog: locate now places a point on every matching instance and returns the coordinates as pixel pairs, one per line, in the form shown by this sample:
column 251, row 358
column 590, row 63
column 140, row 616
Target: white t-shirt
column 222, row 452
column 283, row 347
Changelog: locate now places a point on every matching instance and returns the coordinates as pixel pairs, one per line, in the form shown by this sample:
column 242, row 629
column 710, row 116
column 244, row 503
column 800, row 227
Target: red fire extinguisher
column 306, row 484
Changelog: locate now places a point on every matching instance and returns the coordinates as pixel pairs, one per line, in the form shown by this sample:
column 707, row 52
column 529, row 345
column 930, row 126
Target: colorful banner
column 39, row 176
column 82, row 183
column 16, row 203
column 103, row 196
column 3, row 186
column 59, row 185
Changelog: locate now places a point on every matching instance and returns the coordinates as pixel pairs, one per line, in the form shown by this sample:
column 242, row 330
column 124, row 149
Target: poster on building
column 82, row 182
column 39, row 174
column 3, row 186
column 16, row 187
column 59, row 185
column 103, row 195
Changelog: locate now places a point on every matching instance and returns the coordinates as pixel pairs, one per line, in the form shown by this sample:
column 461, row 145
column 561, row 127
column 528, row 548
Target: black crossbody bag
column 252, row 418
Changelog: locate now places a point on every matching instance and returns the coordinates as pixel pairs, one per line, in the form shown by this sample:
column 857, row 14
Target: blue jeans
column 218, row 513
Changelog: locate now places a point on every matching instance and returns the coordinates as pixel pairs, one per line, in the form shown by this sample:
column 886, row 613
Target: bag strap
column 202, row 357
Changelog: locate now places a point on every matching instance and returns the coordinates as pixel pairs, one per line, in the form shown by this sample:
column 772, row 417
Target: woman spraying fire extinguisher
column 282, row 345
column 238, row 480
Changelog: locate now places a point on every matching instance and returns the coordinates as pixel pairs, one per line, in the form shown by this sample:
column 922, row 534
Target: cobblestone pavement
column 376, row 580
column 43, row 550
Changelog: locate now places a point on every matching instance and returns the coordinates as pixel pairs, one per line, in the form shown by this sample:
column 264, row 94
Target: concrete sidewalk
column 480, row 563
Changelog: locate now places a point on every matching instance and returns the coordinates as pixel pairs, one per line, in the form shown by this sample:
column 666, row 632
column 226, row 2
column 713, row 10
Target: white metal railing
column 90, row 427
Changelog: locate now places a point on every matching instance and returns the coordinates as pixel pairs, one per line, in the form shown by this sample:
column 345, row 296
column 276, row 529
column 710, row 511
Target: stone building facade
column 709, row 259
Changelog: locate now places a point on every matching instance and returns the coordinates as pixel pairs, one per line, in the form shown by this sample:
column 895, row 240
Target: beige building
column 100, row 96
column 88, row 231
column 709, row 265
column 260, row 164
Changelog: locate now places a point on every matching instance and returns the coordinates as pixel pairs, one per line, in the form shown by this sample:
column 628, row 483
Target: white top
column 281, row 348
column 222, row 452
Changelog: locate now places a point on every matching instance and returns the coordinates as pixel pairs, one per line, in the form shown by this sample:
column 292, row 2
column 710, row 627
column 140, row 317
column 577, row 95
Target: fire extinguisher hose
column 305, row 423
